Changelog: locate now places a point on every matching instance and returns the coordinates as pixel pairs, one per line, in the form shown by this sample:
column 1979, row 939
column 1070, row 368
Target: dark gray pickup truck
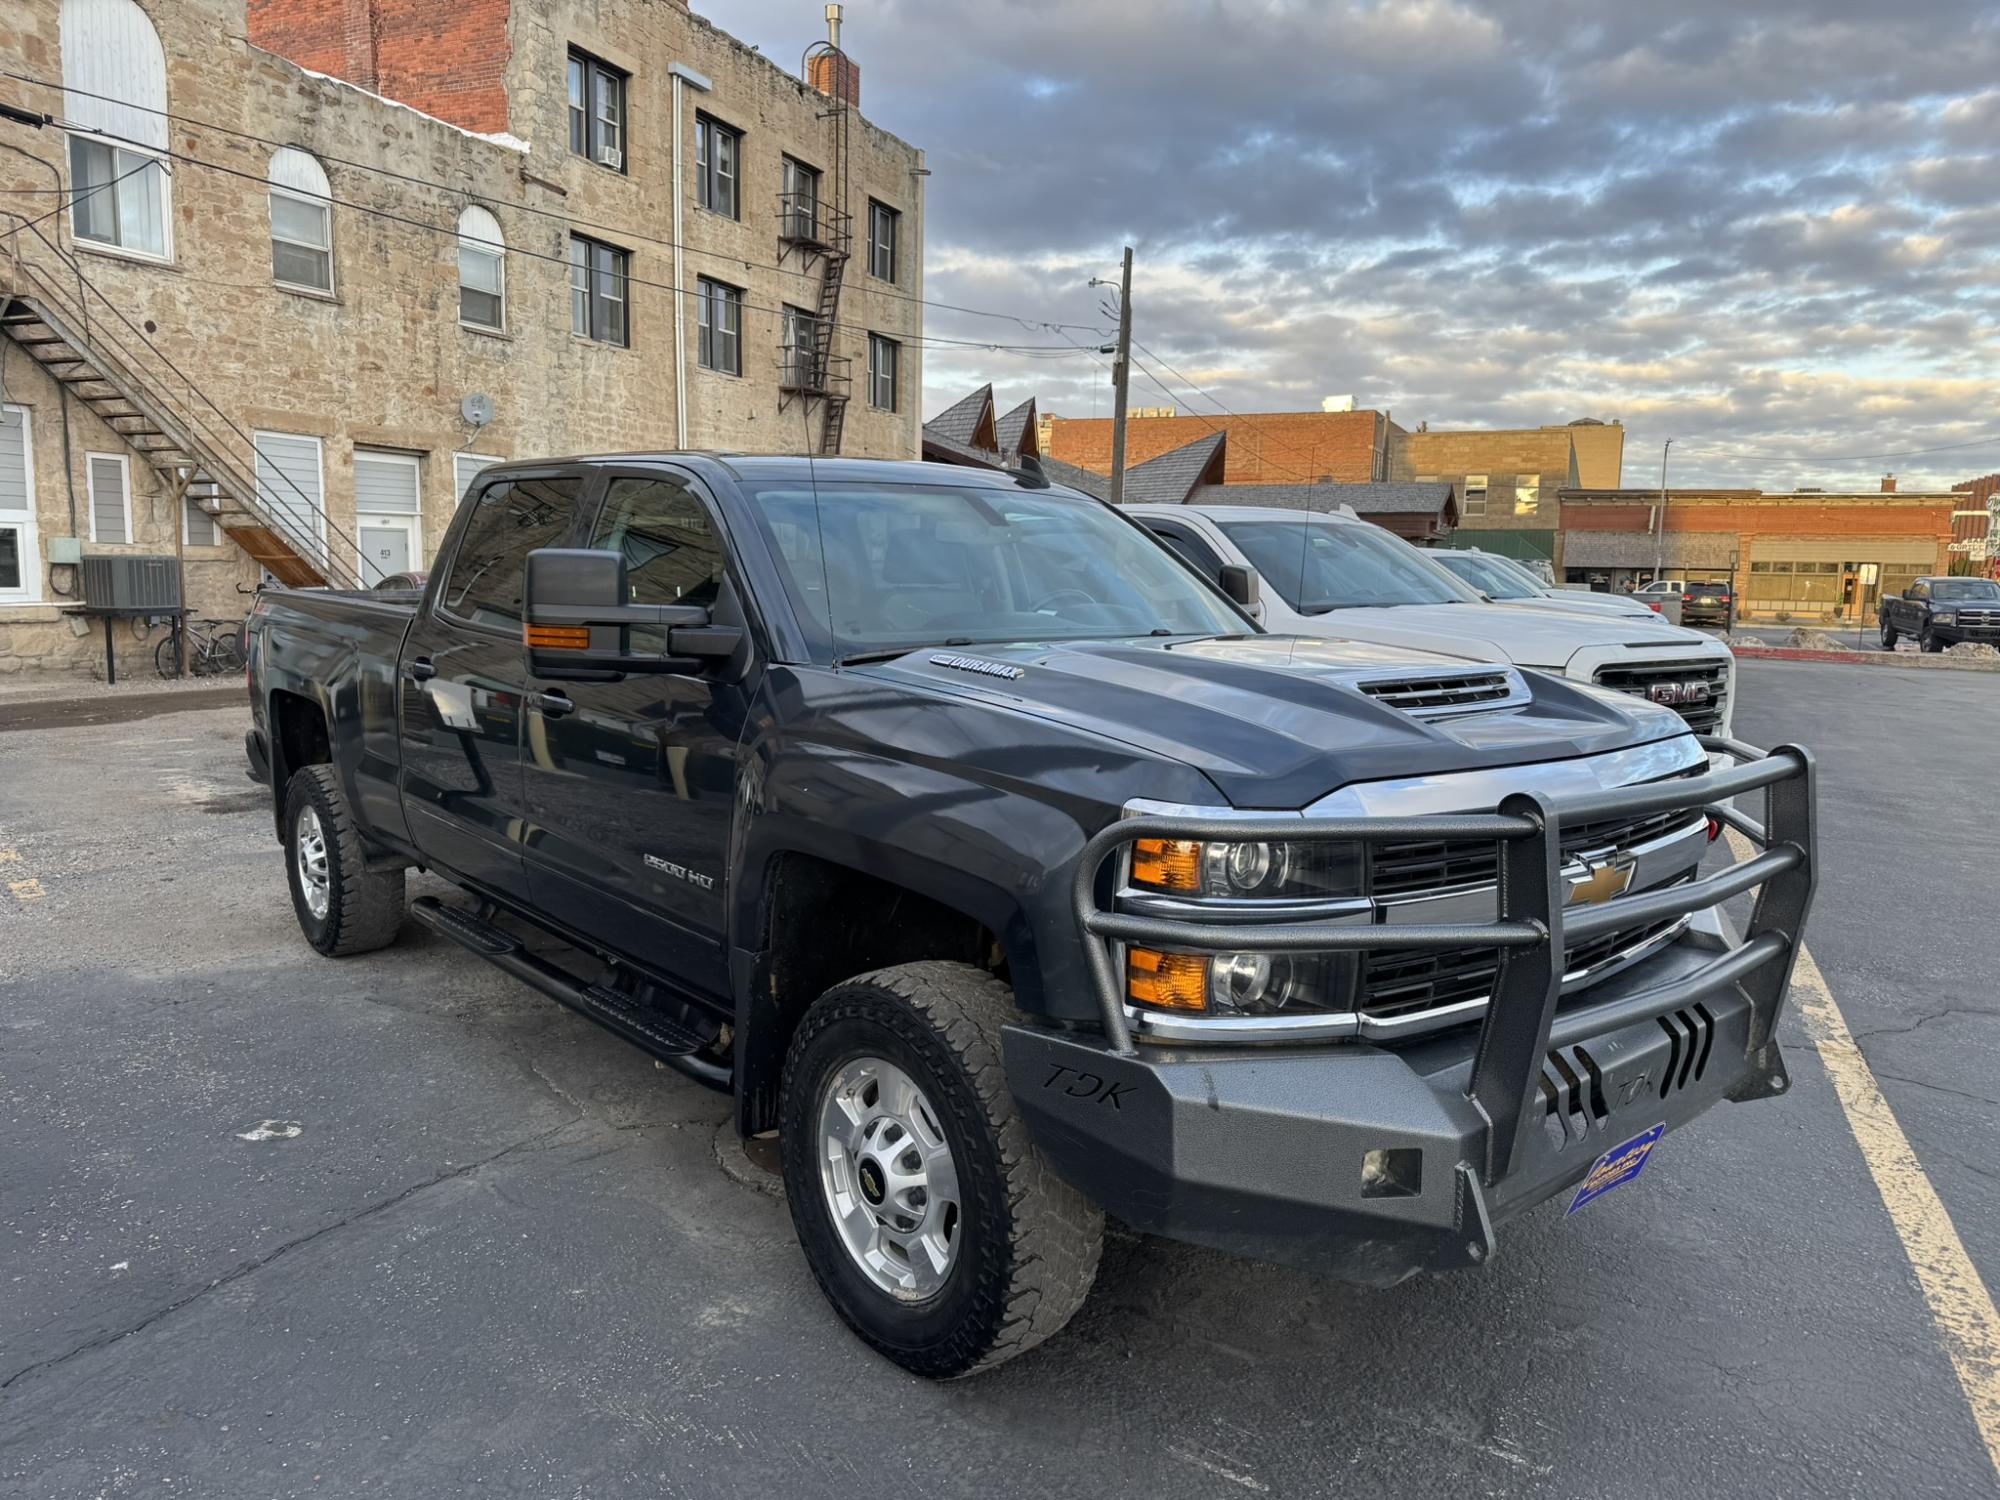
column 1001, row 865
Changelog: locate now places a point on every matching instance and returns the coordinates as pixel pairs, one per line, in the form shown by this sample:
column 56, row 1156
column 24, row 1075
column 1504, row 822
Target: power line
column 451, row 231
column 75, row 198
column 622, row 231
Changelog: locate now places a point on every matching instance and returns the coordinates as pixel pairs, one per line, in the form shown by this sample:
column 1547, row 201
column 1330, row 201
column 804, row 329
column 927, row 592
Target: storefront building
column 1806, row 555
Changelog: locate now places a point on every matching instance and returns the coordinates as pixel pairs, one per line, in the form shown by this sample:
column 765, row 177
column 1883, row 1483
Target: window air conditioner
column 612, row 157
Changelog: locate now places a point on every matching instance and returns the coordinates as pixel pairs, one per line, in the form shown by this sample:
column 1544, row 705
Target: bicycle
column 214, row 648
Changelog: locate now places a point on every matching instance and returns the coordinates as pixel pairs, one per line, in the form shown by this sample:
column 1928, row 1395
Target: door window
column 514, row 517
column 1191, row 549
column 672, row 554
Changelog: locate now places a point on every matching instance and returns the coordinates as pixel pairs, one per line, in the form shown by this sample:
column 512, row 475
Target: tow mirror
column 577, row 624
column 1240, row 584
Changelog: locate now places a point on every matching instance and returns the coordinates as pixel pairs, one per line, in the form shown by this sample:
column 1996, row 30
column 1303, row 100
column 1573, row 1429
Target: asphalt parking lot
column 273, row 1226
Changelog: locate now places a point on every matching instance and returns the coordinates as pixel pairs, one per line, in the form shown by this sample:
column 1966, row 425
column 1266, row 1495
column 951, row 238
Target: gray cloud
column 1769, row 229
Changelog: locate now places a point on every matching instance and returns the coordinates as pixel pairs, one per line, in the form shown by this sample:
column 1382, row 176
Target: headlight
column 1247, row 870
column 1238, row 984
column 1946, row 617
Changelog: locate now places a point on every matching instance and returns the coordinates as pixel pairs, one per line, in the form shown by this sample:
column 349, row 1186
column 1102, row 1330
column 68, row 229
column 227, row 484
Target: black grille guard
column 1531, row 928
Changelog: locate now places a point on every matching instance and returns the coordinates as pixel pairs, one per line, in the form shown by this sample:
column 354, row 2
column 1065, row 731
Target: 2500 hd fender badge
column 680, row 872
column 1087, row 1086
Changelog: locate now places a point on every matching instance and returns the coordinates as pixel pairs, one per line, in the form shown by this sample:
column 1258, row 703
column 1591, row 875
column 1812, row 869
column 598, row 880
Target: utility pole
column 1660, row 529
column 1121, row 379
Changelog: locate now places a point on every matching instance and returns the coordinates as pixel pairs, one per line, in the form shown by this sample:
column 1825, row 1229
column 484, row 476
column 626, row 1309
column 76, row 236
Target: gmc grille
column 1697, row 690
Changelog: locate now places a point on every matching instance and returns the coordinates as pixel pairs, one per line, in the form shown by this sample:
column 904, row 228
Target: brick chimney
column 832, row 71
column 1888, row 484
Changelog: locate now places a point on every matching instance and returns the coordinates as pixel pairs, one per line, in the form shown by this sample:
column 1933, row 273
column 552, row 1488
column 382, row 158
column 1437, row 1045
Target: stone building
column 1975, row 526
column 327, row 309
column 1804, row 555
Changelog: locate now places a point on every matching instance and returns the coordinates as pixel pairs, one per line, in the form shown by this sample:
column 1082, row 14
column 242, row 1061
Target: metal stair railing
column 144, row 377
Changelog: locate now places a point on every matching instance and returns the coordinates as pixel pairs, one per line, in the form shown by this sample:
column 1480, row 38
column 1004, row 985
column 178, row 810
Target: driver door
column 630, row 785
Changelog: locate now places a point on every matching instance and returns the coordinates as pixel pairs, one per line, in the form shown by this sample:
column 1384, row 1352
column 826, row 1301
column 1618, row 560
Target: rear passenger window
column 671, row 552
column 512, row 519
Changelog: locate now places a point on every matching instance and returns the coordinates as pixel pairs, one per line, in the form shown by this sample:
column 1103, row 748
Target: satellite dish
column 477, row 408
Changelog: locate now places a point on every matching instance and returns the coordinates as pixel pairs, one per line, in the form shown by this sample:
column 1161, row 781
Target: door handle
column 553, row 705
column 421, row 670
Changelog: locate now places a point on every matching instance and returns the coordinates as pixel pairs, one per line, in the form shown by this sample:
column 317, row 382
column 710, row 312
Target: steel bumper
column 1371, row 1162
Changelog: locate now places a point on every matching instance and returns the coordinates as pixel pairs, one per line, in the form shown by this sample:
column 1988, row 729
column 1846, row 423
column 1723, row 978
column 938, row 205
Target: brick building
column 1286, row 447
column 330, row 309
column 1975, row 526
column 1805, row 555
column 1509, row 480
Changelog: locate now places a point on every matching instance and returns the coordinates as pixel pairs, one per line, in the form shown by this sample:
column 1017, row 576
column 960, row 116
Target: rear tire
column 895, row 1095
column 1889, row 636
column 343, row 907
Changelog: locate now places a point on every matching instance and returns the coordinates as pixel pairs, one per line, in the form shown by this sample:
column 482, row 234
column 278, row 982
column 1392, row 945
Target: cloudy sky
column 1767, row 229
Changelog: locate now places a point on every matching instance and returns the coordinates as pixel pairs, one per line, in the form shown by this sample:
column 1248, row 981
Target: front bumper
column 1372, row 1163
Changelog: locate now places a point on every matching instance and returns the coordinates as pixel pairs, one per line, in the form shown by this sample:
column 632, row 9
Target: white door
column 385, row 549
column 20, row 556
column 388, row 513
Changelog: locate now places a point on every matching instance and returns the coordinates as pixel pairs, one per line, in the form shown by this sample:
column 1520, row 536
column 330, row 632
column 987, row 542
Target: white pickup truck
column 1333, row 575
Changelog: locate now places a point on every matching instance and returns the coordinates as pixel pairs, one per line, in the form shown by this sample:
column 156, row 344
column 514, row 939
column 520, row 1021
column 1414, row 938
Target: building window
column 884, row 355
column 198, row 527
column 798, row 202
column 1474, row 503
column 797, row 348
column 482, row 271
column 301, row 223
column 598, row 279
column 109, row 479
column 720, row 313
column 20, row 555
column 116, row 70
column 718, row 166
column 884, row 224
column 1527, row 496
column 596, row 111
column 291, row 489
column 466, row 467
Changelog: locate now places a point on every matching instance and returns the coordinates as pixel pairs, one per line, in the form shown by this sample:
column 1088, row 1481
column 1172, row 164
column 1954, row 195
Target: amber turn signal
column 1167, row 864
column 557, row 637
column 1166, row 981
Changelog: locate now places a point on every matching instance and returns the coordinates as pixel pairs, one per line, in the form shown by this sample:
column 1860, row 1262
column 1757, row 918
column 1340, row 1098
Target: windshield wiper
column 890, row 653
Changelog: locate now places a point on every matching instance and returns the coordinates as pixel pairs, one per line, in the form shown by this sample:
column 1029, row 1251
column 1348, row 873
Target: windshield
column 1490, row 575
column 1346, row 564
column 1959, row 589
column 908, row 565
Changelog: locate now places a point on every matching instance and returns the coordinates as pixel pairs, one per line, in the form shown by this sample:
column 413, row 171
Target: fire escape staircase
column 820, row 229
column 110, row 367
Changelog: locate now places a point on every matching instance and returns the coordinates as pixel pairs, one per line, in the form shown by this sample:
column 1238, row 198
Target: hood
column 1276, row 721
column 1498, row 632
column 1597, row 606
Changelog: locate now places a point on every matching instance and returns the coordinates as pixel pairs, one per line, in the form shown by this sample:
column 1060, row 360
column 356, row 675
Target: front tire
column 933, row 1226
column 1928, row 641
column 343, row 907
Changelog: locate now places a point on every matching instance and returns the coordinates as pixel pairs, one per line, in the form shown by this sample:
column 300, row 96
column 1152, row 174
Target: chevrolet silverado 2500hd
column 996, row 860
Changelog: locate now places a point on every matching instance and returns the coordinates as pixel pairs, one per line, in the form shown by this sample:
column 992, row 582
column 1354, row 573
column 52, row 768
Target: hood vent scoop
column 1436, row 695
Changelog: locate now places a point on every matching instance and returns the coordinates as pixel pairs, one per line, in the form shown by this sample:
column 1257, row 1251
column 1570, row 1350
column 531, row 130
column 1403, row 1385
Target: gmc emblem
column 1678, row 694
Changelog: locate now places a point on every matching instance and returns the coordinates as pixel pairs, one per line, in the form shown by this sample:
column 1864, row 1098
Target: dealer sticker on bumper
column 1617, row 1167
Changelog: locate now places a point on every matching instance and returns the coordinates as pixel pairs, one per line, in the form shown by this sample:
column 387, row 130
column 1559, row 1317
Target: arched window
column 115, row 88
column 301, row 222
column 482, row 271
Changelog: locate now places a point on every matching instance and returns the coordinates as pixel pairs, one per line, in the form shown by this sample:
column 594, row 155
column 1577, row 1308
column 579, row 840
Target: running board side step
column 619, row 1013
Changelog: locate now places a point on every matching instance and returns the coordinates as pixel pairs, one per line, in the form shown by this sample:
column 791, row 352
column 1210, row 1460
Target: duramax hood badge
column 975, row 664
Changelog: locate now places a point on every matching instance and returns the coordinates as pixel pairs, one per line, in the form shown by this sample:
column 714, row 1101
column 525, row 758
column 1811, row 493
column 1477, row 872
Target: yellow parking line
column 1960, row 1304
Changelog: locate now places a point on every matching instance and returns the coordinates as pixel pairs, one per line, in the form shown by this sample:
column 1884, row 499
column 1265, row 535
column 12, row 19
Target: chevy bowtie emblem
column 1601, row 881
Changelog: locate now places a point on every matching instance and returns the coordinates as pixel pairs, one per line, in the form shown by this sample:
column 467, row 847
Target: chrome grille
column 1435, row 693
column 1979, row 619
column 1696, row 690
